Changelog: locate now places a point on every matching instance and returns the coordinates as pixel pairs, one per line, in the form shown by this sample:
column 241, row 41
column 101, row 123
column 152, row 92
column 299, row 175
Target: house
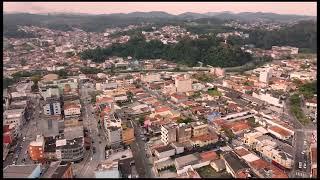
column 163, row 111
column 235, row 166
column 280, row 132
column 218, row 165
column 205, row 139
column 179, row 98
column 164, row 151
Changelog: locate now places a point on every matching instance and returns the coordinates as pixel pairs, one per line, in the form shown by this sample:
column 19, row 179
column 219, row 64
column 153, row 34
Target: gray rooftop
column 19, row 171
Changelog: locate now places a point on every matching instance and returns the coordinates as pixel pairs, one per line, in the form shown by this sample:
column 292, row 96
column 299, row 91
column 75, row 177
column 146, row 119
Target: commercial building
column 164, row 151
column 70, row 150
column 113, row 136
column 14, row 116
column 57, row 170
column 36, row 149
column 109, row 169
column 22, row 171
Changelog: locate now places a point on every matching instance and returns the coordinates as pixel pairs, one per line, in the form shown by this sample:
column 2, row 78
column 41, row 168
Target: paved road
column 139, row 152
column 88, row 165
column 301, row 146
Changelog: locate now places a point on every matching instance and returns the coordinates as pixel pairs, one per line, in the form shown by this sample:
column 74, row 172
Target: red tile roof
column 162, row 109
column 280, row 131
column 205, row 137
column 209, row 156
column 71, row 105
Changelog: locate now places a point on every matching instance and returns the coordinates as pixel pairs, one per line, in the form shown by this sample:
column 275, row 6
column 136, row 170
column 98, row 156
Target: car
column 99, row 142
column 300, row 165
column 302, row 152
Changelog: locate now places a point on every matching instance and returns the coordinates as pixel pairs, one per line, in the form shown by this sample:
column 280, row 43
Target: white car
column 305, row 165
column 300, row 165
column 302, row 152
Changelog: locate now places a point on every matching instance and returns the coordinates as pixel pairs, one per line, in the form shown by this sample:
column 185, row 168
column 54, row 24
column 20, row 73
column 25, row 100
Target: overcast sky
column 301, row 8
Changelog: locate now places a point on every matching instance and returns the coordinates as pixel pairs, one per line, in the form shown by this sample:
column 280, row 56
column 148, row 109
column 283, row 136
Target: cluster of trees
column 14, row 32
column 186, row 120
column 302, row 35
column 308, row 90
column 295, row 108
column 214, row 92
column 209, row 51
column 90, row 70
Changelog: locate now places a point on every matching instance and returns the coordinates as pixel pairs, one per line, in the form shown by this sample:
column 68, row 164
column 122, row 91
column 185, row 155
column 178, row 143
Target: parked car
column 300, row 165
column 305, row 165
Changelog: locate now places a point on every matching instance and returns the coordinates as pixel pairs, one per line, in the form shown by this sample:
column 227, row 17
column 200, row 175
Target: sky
column 300, row 8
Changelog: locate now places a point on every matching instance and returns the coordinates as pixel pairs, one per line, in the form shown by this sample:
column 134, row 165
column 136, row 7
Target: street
column 91, row 160
column 140, row 155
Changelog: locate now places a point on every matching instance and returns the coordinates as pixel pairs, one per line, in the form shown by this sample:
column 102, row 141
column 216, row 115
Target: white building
column 150, row 77
column 183, row 83
column 265, row 75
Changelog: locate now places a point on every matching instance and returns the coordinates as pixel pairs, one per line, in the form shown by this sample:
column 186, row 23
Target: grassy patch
column 214, row 92
column 296, row 109
column 209, row 172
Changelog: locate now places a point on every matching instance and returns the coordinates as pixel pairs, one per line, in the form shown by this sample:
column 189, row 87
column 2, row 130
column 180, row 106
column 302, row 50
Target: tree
column 186, row 120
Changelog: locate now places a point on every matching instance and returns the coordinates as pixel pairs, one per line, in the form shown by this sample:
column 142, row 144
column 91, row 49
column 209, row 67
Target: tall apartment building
column 184, row 132
column 36, row 149
column 168, row 133
column 52, row 106
column 113, row 135
column 183, row 83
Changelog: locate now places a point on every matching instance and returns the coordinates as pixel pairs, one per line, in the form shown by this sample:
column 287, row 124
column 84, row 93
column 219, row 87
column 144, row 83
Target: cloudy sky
column 301, row 8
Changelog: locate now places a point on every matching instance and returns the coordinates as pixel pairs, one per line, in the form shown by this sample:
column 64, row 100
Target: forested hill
column 208, row 50
column 302, row 35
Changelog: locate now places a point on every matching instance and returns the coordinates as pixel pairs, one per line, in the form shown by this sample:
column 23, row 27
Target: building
column 150, row 77
column 36, row 149
column 235, row 166
column 218, row 165
column 113, row 136
column 52, row 106
column 14, row 116
column 199, row 129
column 313, row 155
column 178, row 98
column 217, row 71
column 72, row 109
column 108, row 169
column 164, row 151
column 22, row 171
column 70, row 150
column 265, row 75
column 205, row 139
column 168, row 133
column 57, row 170
column 184, row 132
column 280, row 133
column 183, row 83
column 127, row 133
